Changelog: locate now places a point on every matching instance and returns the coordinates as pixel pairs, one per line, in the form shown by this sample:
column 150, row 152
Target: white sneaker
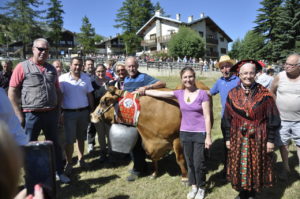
column 200, row 194
column 192, row 193
column 63, row 178
column 90, row 148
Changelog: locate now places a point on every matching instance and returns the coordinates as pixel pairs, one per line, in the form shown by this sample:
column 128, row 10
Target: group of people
column 255, row 117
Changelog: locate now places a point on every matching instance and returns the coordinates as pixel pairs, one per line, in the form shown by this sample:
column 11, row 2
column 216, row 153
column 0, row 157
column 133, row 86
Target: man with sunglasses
column 35, row 95
column 286, row 89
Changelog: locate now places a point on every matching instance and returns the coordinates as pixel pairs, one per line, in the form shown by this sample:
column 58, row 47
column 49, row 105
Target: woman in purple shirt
column 195, row 128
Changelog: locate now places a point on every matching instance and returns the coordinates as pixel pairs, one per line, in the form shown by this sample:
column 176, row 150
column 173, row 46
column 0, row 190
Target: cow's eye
column 103, row 103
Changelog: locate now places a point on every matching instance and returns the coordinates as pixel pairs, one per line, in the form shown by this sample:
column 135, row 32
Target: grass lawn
column 108, row 181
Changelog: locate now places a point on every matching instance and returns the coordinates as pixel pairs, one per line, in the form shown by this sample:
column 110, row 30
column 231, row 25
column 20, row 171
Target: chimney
column 202, row 15
column 190, row 19
column 157, row 13
column 178, row 17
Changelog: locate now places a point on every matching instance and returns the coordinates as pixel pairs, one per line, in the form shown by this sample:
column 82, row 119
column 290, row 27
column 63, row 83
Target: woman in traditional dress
column 251, row 120
column 194, row 129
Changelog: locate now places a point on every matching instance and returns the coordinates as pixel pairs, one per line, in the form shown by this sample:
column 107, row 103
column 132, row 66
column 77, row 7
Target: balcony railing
column 211, row 40
column 212, row 54
column 164, row 39
column 148, row 42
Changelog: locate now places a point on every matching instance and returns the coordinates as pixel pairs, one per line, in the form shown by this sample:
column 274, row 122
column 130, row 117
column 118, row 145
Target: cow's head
column 105, row 109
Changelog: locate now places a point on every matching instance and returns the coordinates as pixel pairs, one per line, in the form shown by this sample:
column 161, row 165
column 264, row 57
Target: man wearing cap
column 285, row 87
column 223, row 85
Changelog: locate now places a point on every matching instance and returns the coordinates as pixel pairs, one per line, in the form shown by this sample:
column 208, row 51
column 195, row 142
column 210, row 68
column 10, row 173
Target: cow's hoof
column 153, row 176
column 185, row 182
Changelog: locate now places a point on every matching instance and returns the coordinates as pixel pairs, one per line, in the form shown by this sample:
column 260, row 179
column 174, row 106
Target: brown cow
column 158, row 125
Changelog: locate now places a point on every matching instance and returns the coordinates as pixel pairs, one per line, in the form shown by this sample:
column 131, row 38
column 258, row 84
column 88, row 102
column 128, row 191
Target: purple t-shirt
column 192, row 119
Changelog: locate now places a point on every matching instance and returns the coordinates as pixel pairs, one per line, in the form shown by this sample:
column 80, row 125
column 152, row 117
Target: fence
column 173, row 69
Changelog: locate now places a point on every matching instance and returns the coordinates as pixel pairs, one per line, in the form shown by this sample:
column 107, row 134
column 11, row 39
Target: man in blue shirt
column 136, row 81
column 223, row 85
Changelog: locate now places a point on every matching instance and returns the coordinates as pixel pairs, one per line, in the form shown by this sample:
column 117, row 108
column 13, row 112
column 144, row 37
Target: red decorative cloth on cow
column 128, row 109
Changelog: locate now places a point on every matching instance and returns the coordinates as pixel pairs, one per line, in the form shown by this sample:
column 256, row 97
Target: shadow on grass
column 113, row 161
column 169, row 165
column 120, row 197
column 79, row 188
column 277, row 192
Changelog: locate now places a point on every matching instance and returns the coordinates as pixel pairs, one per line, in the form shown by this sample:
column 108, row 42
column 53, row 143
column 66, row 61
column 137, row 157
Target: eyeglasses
column 100, row 71
column 42, row 49
column 248, row 73
column 120, row 70
column 293, row 65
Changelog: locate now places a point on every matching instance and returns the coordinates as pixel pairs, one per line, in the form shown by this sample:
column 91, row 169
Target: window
column 153, row 36
column 201, row 33
column 223, row 51
column 221, row 38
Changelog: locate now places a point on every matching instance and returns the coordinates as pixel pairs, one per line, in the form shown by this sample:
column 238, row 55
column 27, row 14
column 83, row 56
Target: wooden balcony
column 164, row 39
column 148, row 42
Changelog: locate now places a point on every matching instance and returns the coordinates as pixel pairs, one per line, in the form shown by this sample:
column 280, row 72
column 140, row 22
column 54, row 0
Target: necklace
column 188, row 99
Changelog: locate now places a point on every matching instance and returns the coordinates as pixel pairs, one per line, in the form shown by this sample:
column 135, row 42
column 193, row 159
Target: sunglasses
column 42, row 49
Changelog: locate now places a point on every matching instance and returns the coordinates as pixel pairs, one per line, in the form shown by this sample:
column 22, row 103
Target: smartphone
column 40, row 167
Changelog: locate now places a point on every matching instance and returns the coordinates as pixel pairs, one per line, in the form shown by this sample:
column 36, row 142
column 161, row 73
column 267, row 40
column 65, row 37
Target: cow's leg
column 180, row 159
column 155, row 169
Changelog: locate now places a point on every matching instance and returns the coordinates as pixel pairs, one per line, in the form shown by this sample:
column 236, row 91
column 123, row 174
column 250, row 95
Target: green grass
column 107, row 181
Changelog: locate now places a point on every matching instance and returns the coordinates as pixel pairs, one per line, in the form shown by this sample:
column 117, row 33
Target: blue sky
column 235, row 17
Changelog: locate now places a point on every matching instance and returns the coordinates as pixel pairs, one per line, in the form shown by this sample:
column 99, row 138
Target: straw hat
column 224, row 58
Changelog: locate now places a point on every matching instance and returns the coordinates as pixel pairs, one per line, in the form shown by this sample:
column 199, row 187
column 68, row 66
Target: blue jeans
column 48, row 123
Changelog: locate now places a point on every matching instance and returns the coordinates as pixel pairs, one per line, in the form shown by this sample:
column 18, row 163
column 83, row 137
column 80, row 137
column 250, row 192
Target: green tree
column 86, row 37
column 98, row 38
column 55, row 22
column 162, row 11
column 252, row 46
column 186, row 42
column 130, row 18
column 235, row 49
column 287, row 31
column 23, row 24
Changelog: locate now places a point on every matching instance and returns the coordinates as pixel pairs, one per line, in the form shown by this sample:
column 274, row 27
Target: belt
column 77, row 109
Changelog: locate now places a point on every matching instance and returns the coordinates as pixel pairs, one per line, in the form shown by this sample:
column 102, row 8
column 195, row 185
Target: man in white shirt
column 77, row 102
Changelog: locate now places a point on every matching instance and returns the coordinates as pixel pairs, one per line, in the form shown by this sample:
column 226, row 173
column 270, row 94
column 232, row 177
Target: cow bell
column 122, row 138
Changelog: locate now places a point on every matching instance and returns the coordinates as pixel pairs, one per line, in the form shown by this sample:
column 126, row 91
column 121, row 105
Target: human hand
column 270, row 147
column 141, row 90
column 38, row 193
column 208, row 142
column 228, row 144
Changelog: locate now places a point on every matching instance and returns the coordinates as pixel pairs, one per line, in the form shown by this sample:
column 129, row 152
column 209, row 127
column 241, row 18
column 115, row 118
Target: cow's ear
column 112, row 90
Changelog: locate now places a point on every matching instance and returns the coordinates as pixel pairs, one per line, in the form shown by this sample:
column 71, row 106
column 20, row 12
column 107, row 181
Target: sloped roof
column 150, row 21
column 209, row 22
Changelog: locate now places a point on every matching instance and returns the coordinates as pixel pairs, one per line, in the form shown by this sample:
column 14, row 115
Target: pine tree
column 23, row 17
column 86, row 37
column 130, row 18
column 55, row 22
column 287, row 29
column 162, row 11
column 267, row 21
